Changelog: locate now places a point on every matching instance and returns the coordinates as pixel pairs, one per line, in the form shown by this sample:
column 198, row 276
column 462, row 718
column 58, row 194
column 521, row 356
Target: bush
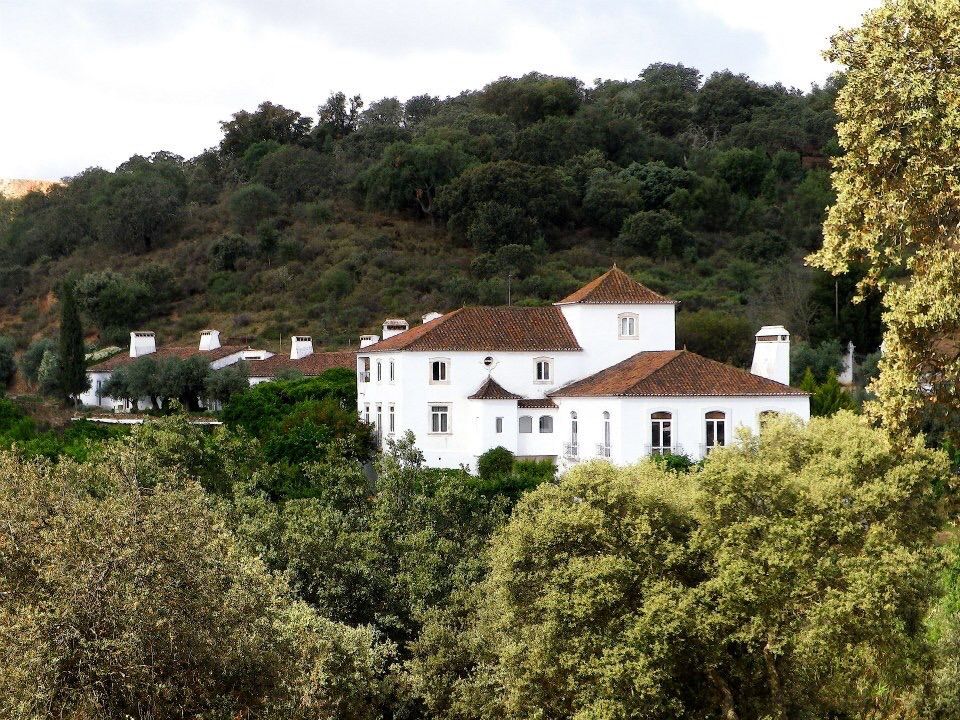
column 8, row 365
column 251, row 204
column 227, row 249
column 494, row 463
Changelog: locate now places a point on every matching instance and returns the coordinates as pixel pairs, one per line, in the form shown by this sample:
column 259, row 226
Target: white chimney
column 300, row 346
column 430, row 316
column 367, row 340
column 771, row 356
column 142, row 343
column 394, row 326
column 209, row 340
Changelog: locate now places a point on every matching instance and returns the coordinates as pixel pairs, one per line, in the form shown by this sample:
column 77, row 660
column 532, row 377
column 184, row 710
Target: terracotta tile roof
column 180, row 351
column 614, row 287
column 487, row 329
column 667, row 373
column 492, row 390
column 531, row 403
column 313, row 364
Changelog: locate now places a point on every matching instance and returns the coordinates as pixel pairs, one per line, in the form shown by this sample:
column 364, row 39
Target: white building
column 144, row 343
column 301, row 361
column 595, row 375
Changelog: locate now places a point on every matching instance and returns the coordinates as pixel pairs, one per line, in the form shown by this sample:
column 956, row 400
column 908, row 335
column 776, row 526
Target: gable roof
column 313, row 364
column 666, row 373
column 612, row 288
column 492, row 390
column 487, row 329
column 169, row 351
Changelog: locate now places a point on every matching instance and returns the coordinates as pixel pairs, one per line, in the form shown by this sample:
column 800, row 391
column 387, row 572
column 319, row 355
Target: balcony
column 707, row 449
column 603, row 451
column 363, row 376
column 571, row 451
column 676, row 449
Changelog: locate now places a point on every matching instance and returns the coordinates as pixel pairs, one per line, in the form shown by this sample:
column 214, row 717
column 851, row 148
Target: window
column 498, row 423
column 571, row 450
column 363, row 371
column 604, row 449
column 393, row 419
column 439, row 371
column 379, row 371
column 379, row 425
column 628, row 325
column 392, row 374
column 488, row 361
column 366, row 412
column 543, row 369
column 546, row 423
column 716, row 431
column 661, row 433
column 573, row 428
column 526, row 424
column 440, row 419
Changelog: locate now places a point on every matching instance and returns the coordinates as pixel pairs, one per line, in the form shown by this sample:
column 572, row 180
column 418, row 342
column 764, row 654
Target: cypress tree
column 73, row 376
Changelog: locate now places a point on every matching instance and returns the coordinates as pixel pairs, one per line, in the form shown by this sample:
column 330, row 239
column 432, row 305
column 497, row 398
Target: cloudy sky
column 91, row 82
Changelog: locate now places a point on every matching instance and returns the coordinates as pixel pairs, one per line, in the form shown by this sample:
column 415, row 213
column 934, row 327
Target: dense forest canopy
column 710, row 190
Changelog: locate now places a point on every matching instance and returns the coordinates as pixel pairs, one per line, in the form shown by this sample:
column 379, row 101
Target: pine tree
column 830, row 397
column 73, row 376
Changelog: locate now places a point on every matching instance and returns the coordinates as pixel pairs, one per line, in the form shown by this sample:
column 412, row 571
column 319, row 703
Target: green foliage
column 829, row 397
column 113, row 302
column 494, row 463
column 8, row 364
column 252, row 204
column 820, row 359
column 227, row 250
column 71, row 367
column 267, row 123
column 652, row 233
column 33, row 356
column 717, row 335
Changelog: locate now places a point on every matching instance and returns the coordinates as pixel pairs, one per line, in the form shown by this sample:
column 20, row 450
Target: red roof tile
column 179, row 351
column 487, row 329
column 667, row 373
column 313, row 364
column 530, row 403
column 614, row 287
column 492, row 390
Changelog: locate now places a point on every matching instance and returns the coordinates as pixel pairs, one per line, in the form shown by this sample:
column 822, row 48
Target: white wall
column 598, row 332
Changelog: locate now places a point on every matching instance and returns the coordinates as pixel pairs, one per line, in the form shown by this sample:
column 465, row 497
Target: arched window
column 379, row 371
column 627, row 325
column 716, row 430
column 439, row 371
column 526, row 424
column 392, row 372
column 661, row 433
column 546, row 423
column 543, row 370
column 573, row 428
column 605, row 446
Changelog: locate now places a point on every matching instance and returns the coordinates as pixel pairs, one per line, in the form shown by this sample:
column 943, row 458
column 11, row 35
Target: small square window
column 439, row 371
column 628, row 326
column 543, row 370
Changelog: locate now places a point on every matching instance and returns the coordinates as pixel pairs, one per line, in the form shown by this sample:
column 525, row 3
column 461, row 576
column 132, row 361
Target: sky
column 92, row 82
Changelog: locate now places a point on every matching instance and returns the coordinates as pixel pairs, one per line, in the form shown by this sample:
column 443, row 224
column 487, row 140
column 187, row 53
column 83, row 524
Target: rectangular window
column 526, row 424
column 363, row 372
column 498, row 423
column 393, row 419
column 628, row 326
column 716, row 431
column 661, row 428
column 379, row 371
column 439, row 371
column 392, row 374
column 366, row 412
column 440, row 419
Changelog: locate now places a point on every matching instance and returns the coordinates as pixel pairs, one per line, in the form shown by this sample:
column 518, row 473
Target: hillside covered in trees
column 709, row 190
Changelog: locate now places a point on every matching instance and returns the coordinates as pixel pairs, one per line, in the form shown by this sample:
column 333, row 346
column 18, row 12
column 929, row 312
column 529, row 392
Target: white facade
column 429, row 393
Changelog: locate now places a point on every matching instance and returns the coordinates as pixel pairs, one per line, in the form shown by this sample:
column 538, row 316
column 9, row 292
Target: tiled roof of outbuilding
column 313, row 364
column 530, row 403
column 666, row 373
column 487, row 329
column 615, row 287
column 179, row 351
column 492, row 390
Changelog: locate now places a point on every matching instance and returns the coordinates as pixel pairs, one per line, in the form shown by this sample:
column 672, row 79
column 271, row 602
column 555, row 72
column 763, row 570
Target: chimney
column 142, row 343
column 394, row 326
column 430, row 316
column 209, row 340
column 367, row 340
column 771, row 356
column 300, row 346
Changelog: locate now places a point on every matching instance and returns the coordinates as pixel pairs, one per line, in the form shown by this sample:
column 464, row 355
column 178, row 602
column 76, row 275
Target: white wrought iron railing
column 603, row 451
column 571, row 451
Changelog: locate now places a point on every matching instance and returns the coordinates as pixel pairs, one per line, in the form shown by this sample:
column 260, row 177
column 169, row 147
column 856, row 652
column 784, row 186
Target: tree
column 897, row 197
column 70, row 350
column 33, row 357
column 227, row 250
column 123, row 594
column 267, row 122
column 113, row 302
column 221, row 385
column 830, row 397
column 532, row 97
column 335, row 118
column 252, row 204
column 8, row 364
column 495, row 462
column 717, row 335
column 140, row 205
column 652, row 233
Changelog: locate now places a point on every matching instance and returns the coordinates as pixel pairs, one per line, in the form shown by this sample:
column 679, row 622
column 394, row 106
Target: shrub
column 8, row 365
column 495, row 462
column 251, row 204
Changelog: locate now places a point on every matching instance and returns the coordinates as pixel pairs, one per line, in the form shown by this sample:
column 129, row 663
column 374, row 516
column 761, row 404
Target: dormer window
column 543, row 370
column 439, row 371
column 627, row 325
